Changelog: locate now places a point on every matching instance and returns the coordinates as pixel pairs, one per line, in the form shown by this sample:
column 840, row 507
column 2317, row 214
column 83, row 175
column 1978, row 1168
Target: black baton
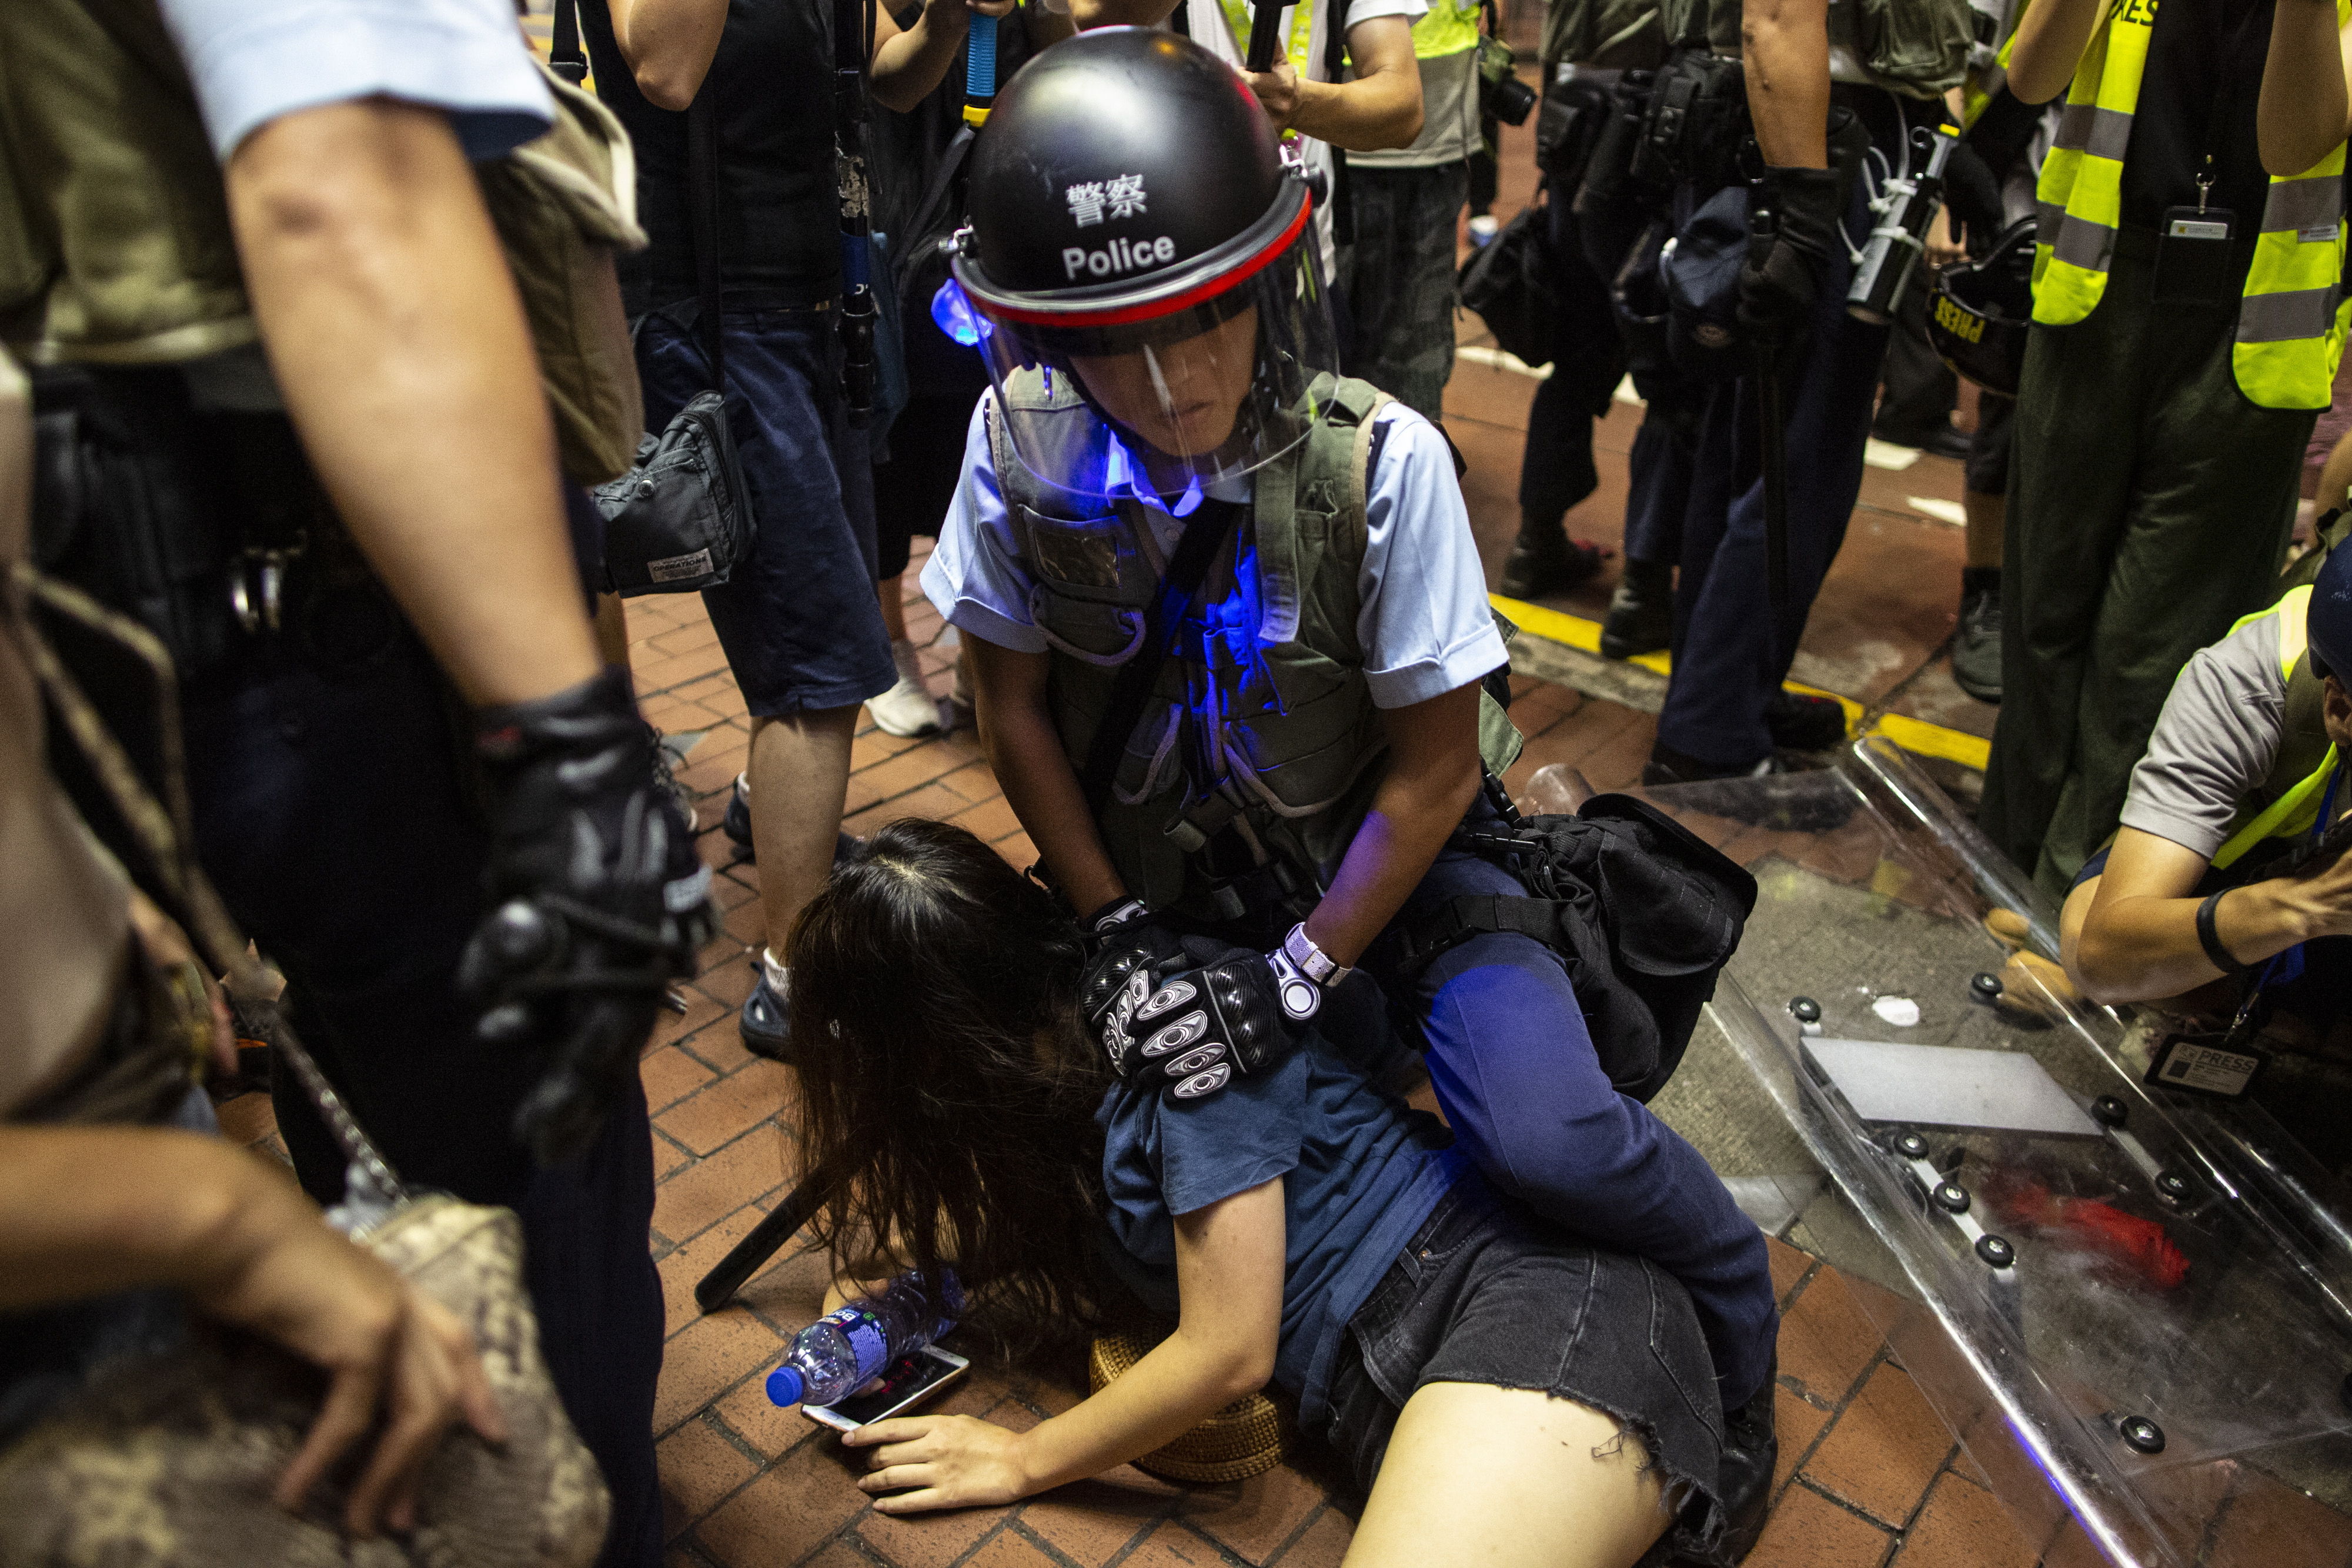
column 1772, row 428
column 1264, row 26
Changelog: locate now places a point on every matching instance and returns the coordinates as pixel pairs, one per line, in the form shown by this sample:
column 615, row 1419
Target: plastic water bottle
column 848, row 1347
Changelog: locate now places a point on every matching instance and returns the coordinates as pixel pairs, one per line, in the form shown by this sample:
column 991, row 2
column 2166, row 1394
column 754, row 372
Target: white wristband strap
column 1312, row 961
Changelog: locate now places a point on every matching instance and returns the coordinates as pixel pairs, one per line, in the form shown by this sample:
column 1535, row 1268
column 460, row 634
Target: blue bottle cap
column 784, row 1387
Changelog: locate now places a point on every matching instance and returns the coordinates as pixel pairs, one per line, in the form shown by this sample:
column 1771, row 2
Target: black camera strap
column 702, row 182
column 564, row 56
column 1180, row 597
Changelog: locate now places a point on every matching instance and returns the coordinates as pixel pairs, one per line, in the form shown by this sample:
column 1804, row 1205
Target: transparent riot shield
column 2121, row 1298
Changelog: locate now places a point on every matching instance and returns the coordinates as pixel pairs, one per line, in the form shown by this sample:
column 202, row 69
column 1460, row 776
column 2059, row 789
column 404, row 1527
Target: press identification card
column 2193, row 224
column 2183, row 1061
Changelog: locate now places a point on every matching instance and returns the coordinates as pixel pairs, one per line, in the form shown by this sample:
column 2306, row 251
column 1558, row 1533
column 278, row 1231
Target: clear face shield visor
column 1215, row 378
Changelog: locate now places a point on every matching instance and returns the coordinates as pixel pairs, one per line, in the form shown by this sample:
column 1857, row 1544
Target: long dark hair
column 942, row 1067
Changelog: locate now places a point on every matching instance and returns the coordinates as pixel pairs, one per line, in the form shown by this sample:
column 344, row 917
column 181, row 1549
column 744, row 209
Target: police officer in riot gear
column 1230, row 633
column 285, row 357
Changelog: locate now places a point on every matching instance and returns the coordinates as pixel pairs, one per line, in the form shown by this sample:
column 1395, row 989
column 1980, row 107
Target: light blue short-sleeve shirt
column 1424, row 624
column 254, row 60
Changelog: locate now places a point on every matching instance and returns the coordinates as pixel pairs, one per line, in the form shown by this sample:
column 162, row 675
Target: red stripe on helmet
column 1126, row 315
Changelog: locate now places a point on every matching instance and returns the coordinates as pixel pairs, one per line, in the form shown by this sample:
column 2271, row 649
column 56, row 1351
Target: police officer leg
column 2075, row 443
column 328, row 809
column 1736, row 650
column 1523, row 1089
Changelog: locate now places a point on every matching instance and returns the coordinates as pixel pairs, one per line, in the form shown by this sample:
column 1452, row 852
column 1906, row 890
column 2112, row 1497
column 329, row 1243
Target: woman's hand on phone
column 940, row 1461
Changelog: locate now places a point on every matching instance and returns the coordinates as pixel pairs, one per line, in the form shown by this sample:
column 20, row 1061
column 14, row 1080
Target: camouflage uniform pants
column 1399, row 277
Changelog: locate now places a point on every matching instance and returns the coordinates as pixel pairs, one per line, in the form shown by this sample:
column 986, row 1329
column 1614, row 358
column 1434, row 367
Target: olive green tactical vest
column 115, row 243
column 1272, row 704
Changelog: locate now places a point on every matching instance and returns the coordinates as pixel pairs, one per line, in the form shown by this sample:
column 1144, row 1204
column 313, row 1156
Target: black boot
column 1800, row 723
column 1751, row 1449
column 1976, row 645
column 1544, row 561
column 1641, row 618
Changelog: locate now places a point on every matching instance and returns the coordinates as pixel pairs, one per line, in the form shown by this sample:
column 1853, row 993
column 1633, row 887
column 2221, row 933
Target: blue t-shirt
column 1424, row 625
column 1363, row 1172
column 253, row 61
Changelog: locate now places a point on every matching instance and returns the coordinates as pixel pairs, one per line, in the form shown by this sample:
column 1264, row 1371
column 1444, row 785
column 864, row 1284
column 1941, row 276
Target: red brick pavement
column 1869, row 1477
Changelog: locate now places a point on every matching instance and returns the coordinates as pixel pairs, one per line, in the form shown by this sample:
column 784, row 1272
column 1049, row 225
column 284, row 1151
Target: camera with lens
column 1501, row 94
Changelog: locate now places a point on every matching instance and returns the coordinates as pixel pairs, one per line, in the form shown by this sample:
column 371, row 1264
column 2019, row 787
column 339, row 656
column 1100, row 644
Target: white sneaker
column 907, row 709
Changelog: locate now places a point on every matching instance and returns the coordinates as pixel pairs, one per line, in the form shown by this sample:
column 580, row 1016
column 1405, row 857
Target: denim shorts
column 799, row 622
column 1486, row 1293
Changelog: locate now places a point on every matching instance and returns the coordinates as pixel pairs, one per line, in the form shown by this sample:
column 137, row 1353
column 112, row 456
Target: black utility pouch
column 2195, row 257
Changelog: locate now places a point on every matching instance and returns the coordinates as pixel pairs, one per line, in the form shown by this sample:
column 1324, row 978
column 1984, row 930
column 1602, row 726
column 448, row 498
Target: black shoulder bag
column 680, row 519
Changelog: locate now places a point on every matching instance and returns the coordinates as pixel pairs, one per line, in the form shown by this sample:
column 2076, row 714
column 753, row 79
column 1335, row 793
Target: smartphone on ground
column 905, row 1383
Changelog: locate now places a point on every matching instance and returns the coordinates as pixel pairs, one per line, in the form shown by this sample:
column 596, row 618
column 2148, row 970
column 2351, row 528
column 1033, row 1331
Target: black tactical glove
column 1123, row 942
column 598, row 902
column 1785, row 269
column 1191, row 1022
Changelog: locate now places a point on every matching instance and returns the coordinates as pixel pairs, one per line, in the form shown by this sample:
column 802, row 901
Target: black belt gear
column 1643, row 913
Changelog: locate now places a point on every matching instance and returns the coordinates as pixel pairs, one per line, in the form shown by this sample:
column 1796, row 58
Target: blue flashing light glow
column 957, row 318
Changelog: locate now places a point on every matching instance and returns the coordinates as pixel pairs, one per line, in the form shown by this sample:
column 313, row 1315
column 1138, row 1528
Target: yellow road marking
column 1912, row 735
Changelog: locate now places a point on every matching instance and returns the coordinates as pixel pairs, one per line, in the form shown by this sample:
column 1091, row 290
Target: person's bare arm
column 2050, row 38
column 669, row 44
column 2307, row 103
column 1088, row 13
column 399, row 344
column 85, row 1211
column 1025, row 748
column 1380, row 109
column 1785, row 50
column 1230, row 1260
column 1434, row 772
column 2139, row 941
column 909, row 62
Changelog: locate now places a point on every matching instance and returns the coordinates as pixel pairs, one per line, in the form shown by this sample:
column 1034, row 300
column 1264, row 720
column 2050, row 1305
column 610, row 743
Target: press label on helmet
column 867, row 1342
column 1119, row 255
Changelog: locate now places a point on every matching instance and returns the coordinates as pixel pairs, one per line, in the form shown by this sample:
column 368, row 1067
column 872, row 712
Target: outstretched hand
column 928, row 1462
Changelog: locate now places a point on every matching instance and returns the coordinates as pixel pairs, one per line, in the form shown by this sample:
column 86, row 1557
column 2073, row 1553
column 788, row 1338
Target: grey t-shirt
column 2214, row 742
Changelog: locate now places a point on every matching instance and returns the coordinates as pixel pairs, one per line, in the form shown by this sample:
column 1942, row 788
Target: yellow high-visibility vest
column 2292, row 319
column 1448, row 29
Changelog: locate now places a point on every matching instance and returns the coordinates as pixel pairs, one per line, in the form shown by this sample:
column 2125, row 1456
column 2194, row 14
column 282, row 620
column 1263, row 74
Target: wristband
column 1300, row 996
column 1312, row 961
column 1118, row 912
column 2210, row 939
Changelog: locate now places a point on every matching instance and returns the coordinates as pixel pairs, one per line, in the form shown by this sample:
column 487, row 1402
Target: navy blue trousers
column 329, row 810
column 1731, row 649
column 798, row 621
column 1658, row 476
column 1523, row 1089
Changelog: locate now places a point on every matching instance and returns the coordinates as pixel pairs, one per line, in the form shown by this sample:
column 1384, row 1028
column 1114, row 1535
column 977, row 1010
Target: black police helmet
column 1976, row 322
column 1125, row 176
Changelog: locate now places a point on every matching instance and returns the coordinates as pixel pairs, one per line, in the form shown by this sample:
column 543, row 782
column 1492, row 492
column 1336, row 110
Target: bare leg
column 1476, row 1475
column 800, row 776
column 612, row 629
column 2336, row 476
column 892, row 593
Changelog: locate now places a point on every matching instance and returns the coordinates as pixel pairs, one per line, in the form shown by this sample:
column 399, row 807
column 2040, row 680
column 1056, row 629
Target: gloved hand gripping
column 597, row 902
